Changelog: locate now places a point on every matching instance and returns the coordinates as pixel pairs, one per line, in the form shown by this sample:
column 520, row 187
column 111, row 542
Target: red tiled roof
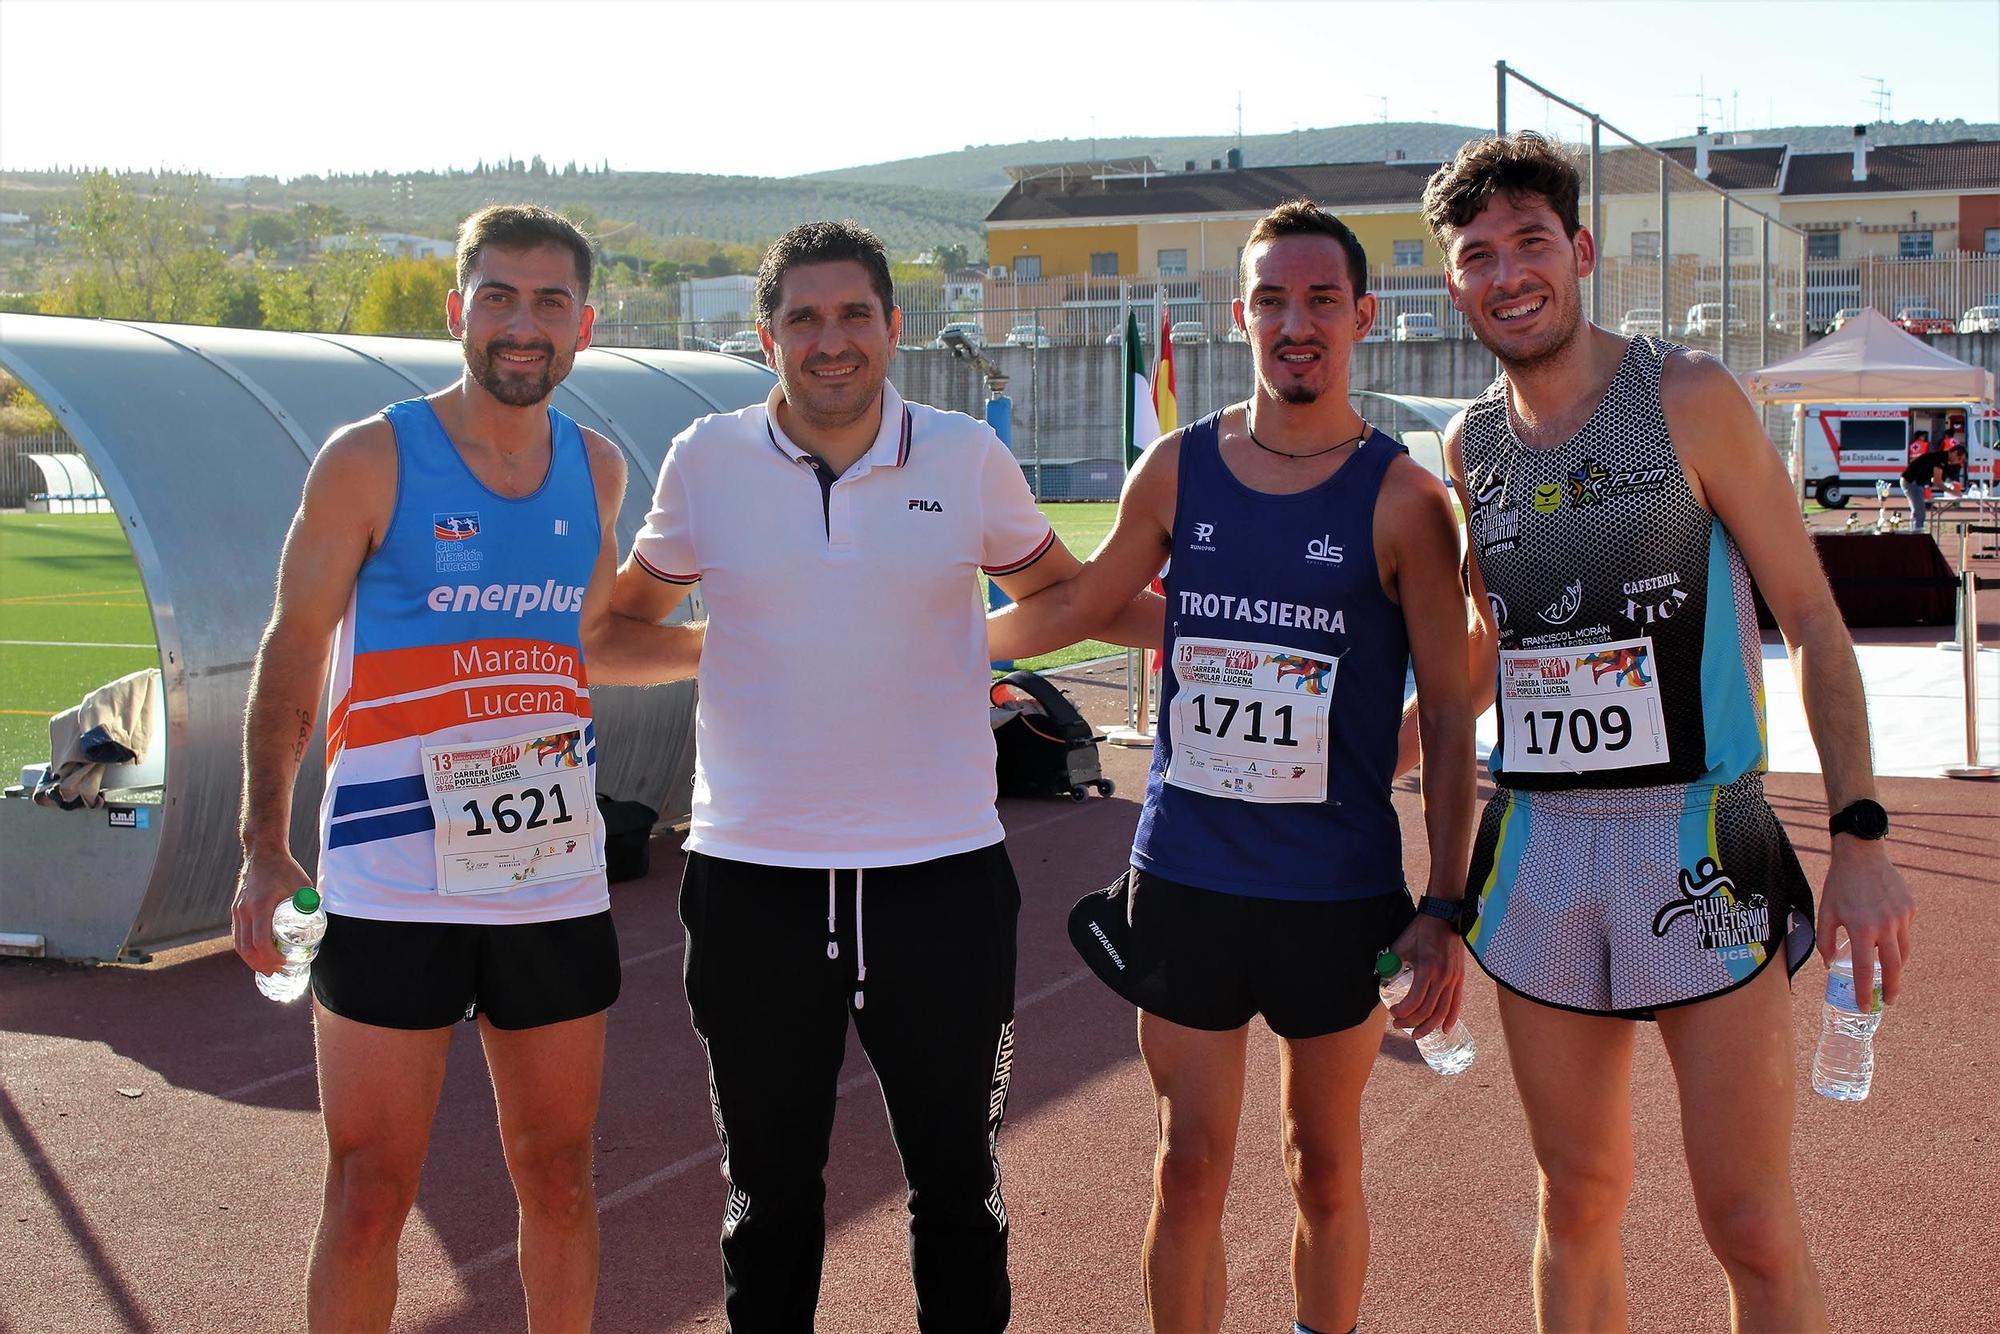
column 1207, row 193
column 1969, row 164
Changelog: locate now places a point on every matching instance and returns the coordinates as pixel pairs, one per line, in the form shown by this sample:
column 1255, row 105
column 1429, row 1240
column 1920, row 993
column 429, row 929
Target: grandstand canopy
column 202, row 438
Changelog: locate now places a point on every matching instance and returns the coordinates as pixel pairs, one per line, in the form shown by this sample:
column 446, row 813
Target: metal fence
column 1952, row 285
column 1681, row 256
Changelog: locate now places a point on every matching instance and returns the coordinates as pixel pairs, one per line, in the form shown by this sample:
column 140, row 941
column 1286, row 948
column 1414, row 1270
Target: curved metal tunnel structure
column 202, row 437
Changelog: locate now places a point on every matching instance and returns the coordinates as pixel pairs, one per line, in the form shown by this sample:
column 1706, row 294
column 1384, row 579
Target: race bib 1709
column 511, row 813
column 1582, row 709
column 1250, row 720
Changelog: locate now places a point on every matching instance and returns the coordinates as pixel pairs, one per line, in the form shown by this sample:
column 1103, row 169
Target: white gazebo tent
column 1870, row 360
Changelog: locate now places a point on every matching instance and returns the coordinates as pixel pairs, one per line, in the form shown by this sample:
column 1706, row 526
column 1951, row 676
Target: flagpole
column 1140, row 428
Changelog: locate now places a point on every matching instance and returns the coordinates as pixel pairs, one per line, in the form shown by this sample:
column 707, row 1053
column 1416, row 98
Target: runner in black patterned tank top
column 1619, row 495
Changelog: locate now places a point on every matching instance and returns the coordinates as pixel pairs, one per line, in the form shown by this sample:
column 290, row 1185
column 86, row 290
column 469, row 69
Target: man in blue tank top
column 1619, row 494
column 453, row 557
column 1311, row 563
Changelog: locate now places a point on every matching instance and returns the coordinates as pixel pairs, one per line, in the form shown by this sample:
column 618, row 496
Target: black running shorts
column 1208, row 960
column 433, row 974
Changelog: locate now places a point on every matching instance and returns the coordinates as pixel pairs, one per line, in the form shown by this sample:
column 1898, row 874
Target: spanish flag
column 1166, row 407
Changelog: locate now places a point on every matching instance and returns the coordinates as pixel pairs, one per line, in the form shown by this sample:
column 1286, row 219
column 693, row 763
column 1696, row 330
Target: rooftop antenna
column 1385, row 108
column 1881, row 96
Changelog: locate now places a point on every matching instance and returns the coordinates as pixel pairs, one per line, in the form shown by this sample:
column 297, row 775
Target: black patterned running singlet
column 1629, row 650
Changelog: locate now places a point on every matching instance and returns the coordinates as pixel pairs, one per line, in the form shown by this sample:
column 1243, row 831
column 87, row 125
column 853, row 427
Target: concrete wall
column 1068, row 401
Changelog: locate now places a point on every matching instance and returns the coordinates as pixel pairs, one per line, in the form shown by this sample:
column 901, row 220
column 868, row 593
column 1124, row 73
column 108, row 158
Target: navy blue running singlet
column 1282, row 691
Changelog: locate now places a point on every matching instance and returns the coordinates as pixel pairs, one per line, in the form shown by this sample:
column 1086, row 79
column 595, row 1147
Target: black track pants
column 922, row 958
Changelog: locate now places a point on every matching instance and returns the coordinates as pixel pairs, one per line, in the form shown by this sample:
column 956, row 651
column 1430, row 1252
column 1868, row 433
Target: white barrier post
column 1968, row 644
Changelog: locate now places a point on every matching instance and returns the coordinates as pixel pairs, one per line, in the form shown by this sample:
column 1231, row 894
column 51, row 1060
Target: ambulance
column 1851, row 447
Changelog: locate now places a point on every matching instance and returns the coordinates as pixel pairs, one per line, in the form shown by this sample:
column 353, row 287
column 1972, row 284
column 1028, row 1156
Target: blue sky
column 769, row 88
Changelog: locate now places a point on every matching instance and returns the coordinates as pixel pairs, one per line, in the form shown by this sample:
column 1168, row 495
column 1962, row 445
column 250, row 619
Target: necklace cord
column 1286, row 454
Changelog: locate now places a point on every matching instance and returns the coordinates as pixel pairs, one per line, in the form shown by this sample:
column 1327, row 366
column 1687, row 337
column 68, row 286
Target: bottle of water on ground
column 1844, row 1065
column 296, row 927
column 1448, row 1053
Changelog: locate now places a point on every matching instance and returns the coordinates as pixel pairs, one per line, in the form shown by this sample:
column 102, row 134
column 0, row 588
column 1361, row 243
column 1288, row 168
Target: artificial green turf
column 64, row 579
column 1081, row 525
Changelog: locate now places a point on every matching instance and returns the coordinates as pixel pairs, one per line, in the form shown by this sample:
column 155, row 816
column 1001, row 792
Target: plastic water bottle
column 1448, row 1053
column 297, row 927
column 1844, row 1064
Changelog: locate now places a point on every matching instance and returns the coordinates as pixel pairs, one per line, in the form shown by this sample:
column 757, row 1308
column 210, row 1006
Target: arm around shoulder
column 1106, row 595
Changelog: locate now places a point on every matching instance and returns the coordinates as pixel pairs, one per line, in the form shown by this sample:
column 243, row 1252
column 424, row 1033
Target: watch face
column 1865, row 819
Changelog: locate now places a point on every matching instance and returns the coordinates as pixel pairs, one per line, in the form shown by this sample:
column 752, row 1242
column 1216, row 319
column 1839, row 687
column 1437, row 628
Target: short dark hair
column 521, row 227
column 823, row 243
column 1516, row 164
column 1302, row 217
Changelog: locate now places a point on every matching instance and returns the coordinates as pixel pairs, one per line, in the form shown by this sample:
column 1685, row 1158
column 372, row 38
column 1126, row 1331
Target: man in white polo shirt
column 844, row 856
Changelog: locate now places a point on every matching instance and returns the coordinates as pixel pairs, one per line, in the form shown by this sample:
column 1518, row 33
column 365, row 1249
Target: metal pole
column 1597, row 219
column 1968, row 645
column 1500, row 98
column 1666, row 329
column 1724, row 348
column 1764, row 280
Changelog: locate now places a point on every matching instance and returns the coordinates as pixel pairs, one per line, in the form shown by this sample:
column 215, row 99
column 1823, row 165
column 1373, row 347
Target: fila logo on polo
column 927, row 506
column 1321, row 550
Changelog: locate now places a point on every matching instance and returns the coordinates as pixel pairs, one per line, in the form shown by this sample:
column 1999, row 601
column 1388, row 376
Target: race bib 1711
column 1250, row 720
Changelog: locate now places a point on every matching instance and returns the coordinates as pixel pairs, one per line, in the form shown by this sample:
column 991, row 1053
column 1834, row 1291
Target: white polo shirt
column 843, row 713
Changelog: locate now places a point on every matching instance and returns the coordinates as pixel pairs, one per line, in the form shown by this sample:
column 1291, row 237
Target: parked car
column 1117, row 336
column 970, row 329
column 696, row 343
column 1704, row 320
column 743, row 343
column 1641, row 320
column 1235, row 335
column 1417, row 326
column 1923, row 320
column 1842, row 316
column 1029, row 335
column 1980, row 319
column 1188, row 331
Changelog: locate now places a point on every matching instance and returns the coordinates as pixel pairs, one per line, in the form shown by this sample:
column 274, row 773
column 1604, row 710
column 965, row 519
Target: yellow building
column 1126, row 217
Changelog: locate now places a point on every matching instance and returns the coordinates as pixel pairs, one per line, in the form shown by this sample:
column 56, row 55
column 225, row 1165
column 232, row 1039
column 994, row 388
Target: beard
column 831, row 406
column 515, row 388
column 1298, row 392
column 1564, row 324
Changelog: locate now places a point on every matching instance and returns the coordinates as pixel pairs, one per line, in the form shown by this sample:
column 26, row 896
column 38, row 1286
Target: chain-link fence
column 1682, row 253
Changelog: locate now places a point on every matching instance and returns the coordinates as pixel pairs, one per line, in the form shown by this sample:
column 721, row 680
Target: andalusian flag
column 1150, row 407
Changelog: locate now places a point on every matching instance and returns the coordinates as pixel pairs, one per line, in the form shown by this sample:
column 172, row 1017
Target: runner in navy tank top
column 1312, row 562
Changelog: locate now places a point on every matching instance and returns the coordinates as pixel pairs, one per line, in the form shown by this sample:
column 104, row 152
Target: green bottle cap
column 306, row 900
column 1387, row 965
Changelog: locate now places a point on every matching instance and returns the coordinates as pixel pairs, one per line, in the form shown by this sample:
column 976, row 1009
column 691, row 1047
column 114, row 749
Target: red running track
column 160, row 1147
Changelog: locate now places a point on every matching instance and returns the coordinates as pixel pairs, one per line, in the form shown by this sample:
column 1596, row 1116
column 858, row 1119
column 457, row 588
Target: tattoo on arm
column 304, row 736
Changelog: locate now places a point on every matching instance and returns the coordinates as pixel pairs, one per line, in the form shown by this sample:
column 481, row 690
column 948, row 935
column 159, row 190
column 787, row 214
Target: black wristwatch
column 1457, row 913
column 1863, row 819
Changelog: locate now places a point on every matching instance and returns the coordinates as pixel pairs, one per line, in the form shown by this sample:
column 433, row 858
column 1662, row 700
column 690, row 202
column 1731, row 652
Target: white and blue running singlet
column 1282, row 690
column 461, row 760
